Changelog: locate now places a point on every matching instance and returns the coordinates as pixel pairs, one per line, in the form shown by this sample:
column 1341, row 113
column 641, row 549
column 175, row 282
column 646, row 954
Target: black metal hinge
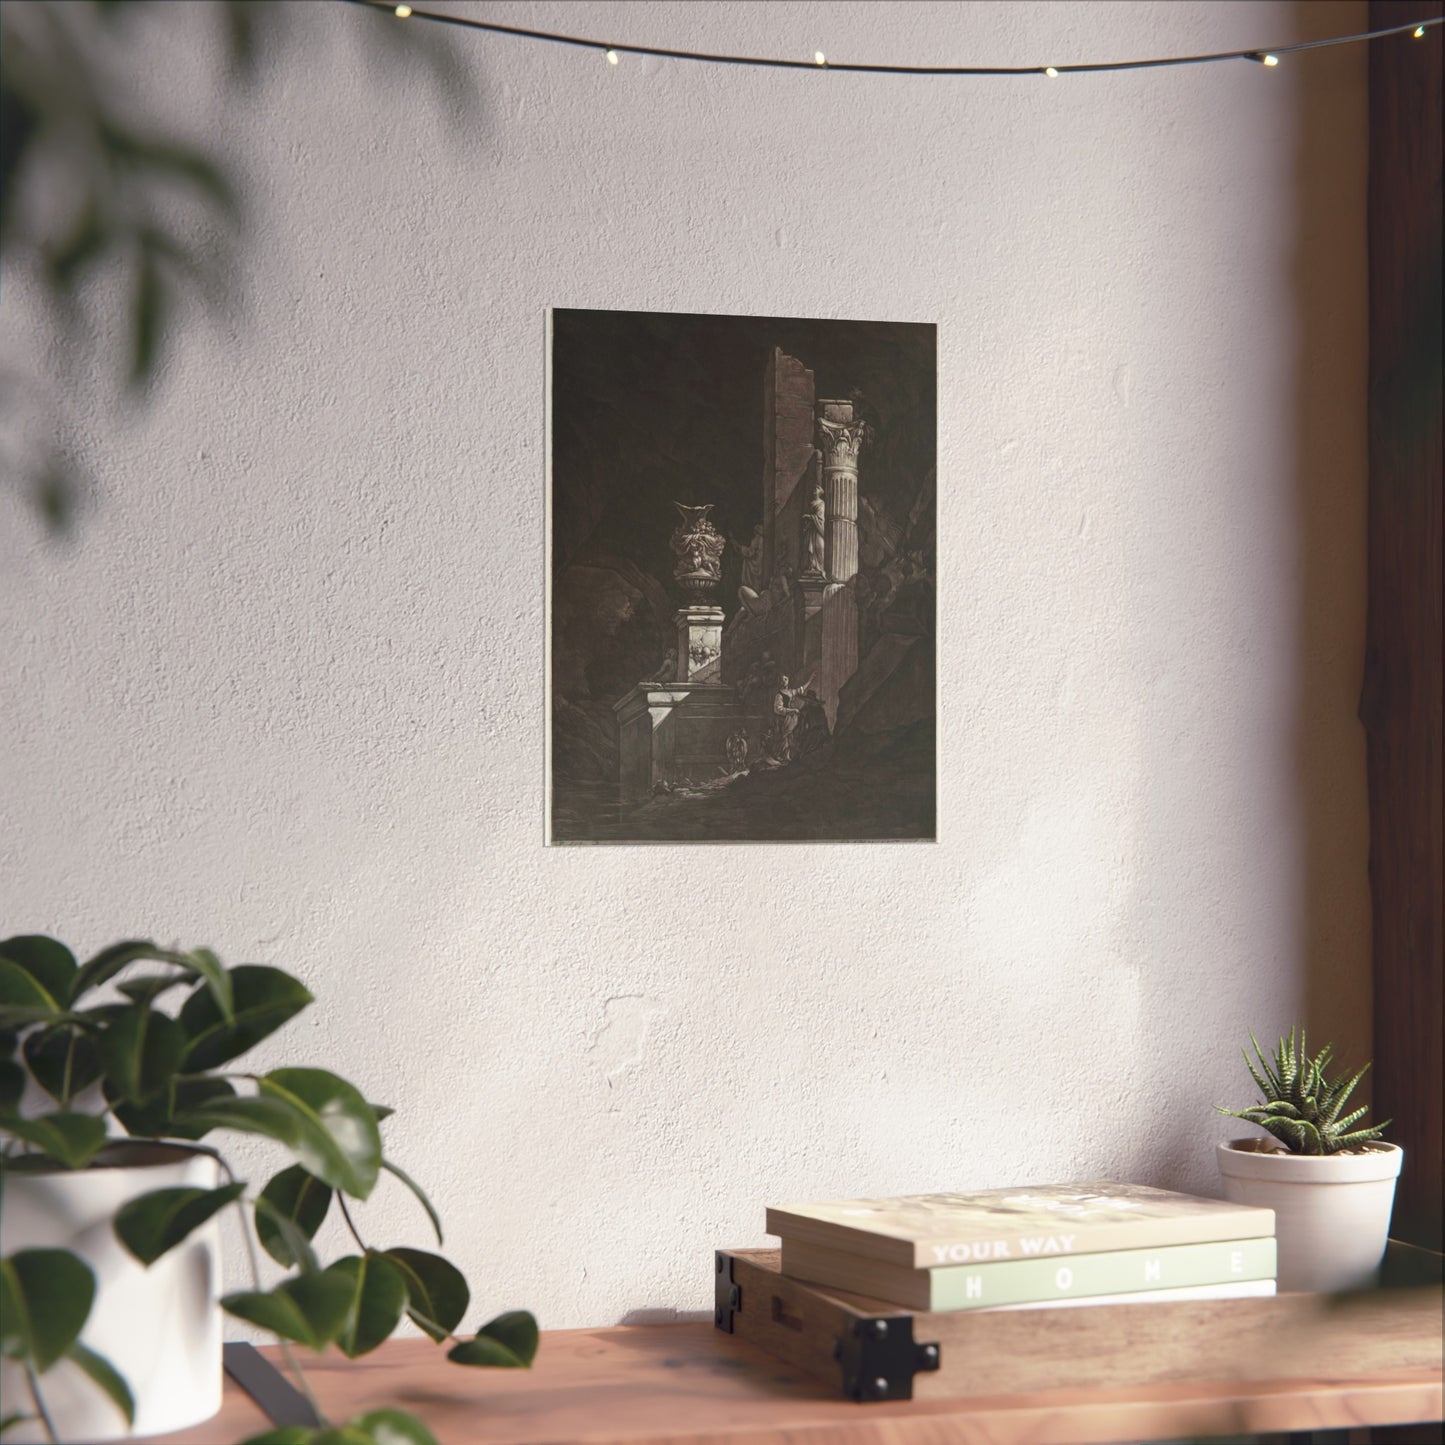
column 727, row 1296
column 880, row 1358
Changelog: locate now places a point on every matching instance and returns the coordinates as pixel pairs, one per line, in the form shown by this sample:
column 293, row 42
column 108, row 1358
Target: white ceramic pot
column 160, row 1327
column 1331, row 1211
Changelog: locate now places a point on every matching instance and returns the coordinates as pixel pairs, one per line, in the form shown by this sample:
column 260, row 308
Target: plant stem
column 39, row 1403
column 361, row 1243
column 346, row 1215
column 69, row 1067
column 292, row 1363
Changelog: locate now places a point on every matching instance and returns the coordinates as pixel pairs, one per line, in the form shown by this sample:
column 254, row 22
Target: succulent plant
column 1301, row 1107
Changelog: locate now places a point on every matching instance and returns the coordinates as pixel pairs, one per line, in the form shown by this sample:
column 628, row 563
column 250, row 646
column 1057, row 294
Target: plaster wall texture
column 282, row 691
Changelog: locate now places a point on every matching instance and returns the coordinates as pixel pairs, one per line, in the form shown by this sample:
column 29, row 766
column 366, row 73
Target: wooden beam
column 1400, row 703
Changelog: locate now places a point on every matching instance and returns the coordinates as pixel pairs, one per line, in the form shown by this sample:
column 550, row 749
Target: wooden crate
column 871, row 1350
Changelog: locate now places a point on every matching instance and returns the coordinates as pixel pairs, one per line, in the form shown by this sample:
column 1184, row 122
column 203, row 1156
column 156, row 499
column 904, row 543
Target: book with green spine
column 1034, row 1281
column 923, row 1231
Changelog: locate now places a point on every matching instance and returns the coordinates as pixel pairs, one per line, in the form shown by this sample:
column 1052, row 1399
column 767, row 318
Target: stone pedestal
column 809, row 594
column 699, row 643
column 673, row 734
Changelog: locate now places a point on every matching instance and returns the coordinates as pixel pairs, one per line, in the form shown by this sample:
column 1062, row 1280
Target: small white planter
column 1331, row 1211
column 160, row 1327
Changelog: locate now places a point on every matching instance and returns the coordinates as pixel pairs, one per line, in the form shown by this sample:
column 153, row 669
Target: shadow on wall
column 1323, row 965
column 91, row 187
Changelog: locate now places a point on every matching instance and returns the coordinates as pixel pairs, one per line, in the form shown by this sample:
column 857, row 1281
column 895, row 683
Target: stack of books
column 1031, row 1247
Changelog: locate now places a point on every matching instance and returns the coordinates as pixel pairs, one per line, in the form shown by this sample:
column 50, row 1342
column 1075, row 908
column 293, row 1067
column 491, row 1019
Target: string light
column 612, row 57
column 1260, row 56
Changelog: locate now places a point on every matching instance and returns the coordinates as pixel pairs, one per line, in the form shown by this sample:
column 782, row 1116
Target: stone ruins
column 771, row 685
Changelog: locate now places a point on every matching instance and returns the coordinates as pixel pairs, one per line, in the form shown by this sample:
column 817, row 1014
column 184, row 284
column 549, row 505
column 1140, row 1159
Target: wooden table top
column 694, row 1385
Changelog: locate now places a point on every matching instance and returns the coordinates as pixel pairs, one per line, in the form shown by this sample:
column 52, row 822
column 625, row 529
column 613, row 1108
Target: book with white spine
column 926, row 1231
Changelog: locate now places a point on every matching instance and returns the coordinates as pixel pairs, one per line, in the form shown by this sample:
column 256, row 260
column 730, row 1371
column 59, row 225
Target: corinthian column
column 840, row 438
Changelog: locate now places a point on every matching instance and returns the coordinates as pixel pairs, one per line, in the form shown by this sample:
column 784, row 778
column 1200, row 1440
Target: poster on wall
column 741, row 594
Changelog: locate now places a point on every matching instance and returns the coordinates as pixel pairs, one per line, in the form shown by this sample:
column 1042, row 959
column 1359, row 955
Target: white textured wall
column 283, row 693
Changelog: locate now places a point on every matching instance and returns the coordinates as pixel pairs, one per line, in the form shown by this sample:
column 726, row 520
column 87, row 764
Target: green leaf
column 52, row 1054
column 148, row 989
column 10, row 1421
column 45, row 1299
column 340, row 1143
column 164, row 1116
column 1360, row 1136
column 263, row 999
column 50, row 964
column 86, row 239
column 378, row 1296
column 210, row 968
column 141, row 1051
column 14, row 1323
column 104, row 1374
column 23, row 999
column 331, row 1135
column 298, row 1197
column 310, row 1310
column 159, row 1118
column 341, row 1435
column 12, row 1086
column 151, row 1224
column 269, row 1117
column 109, row 962
column 147, row 315
column 507, row 1342
column 382, row 1111
column 284, row 1435
column 73, row 1139
column 392, row 1427
column 181, row 162
column 437, row 1294
column 416, row 1189
column 296, row 1243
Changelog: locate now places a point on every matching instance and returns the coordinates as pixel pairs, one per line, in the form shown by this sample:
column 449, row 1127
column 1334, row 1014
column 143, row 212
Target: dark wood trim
column 1401, row 699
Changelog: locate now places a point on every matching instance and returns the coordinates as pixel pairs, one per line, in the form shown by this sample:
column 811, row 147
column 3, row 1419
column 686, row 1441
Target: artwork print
column 743, row 551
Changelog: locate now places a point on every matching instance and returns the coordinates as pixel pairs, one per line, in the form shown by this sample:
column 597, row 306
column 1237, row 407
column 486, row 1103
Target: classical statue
column 814, row 530
column 752, row 555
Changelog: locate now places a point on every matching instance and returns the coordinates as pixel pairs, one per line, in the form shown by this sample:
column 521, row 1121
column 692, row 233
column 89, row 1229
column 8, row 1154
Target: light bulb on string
column 1260, row 57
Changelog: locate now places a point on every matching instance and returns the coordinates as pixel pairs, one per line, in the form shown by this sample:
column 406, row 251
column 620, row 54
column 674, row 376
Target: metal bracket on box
column 880, row 1358
column 727, row 1296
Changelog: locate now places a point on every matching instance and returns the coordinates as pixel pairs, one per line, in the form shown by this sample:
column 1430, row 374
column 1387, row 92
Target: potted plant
column 1331, row 1185
column 112, row 1086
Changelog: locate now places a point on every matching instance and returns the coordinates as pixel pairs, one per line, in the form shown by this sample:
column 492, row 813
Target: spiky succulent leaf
column 1338, row 1126
column 1299, row 1105
column 1259, row 1082
column 1360, row 1136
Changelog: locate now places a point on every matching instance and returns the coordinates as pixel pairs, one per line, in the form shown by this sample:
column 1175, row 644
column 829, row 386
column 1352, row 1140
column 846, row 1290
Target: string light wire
column 1268, row 55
